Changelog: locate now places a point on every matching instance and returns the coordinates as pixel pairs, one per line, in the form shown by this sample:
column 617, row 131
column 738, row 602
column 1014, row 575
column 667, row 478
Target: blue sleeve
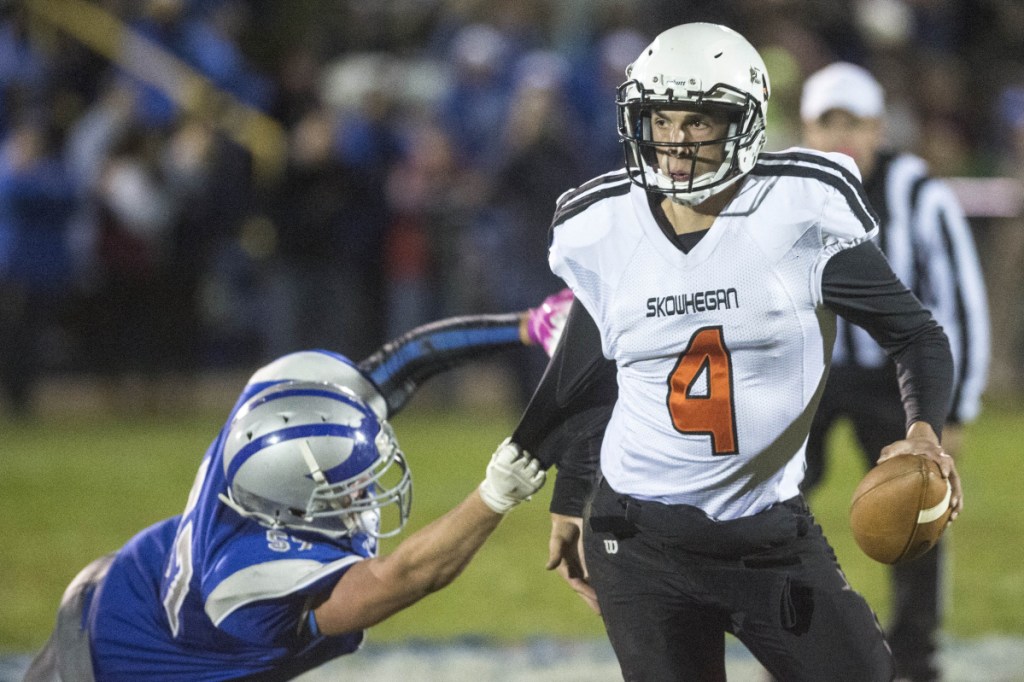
column 262, row 584
column 403, row 364
column 284, row 621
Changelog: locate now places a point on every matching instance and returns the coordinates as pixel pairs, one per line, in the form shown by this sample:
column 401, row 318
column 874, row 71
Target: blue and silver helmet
column 312, row 456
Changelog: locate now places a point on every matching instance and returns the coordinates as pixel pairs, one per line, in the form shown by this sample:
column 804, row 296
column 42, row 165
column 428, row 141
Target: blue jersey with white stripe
column 210, row 595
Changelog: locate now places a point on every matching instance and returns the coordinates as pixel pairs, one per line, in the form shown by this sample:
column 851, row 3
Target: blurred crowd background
column 190, row 185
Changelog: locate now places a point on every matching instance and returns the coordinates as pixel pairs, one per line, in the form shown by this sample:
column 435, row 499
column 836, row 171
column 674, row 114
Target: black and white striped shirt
column 928, row 242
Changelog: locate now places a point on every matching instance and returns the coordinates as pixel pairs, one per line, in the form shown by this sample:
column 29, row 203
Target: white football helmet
column 312, row 456
column 694, row 67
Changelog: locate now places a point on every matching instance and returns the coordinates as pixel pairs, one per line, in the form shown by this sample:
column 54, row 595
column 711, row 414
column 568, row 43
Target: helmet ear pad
column 313, row 457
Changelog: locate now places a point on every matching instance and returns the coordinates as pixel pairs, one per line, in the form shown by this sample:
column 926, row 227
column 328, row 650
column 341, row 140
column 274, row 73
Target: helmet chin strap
column 691, row 198
column 701, row 196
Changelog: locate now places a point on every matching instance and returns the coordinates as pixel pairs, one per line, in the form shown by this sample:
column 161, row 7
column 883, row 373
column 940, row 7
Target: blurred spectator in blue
column 476, row 104
column 23, row 65
column 159, row 21
column 205, row 41
column 134, row 214
column 209, row 180
column 539, row 159
column 37, row 200
column 210, row 43
column 592, row 87
column 364, row 91
column 386, row 133
column 329, row 222
column 432, row 198
column 365, row 142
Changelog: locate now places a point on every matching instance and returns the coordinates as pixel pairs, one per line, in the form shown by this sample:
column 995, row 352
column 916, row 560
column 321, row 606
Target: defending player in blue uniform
column 272, row 567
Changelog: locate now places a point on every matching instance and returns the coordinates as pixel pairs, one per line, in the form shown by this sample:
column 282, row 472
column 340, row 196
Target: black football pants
column 870, row 400
column 671, row 582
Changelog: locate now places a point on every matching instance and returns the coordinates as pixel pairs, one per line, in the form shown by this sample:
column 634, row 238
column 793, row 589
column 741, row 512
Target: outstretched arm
column 434, row 556
column 402, row 365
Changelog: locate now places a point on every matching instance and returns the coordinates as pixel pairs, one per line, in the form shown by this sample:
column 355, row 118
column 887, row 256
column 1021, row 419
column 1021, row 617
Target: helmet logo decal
column 691, row 83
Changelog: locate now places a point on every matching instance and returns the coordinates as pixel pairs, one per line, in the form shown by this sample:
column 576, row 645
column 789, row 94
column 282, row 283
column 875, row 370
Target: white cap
column 842, row 86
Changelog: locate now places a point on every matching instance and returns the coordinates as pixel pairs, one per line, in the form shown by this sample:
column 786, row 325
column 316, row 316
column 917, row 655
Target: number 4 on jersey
column 700, row 391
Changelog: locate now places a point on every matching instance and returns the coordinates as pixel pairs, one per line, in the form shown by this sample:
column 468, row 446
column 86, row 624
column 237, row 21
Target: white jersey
column 721, row 352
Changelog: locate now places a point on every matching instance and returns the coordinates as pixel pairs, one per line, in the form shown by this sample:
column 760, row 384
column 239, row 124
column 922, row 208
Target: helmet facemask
column 376, row 503
column 738, row 148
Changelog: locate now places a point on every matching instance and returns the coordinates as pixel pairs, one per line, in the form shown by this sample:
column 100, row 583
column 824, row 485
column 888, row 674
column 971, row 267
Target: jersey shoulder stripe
column 269, row 580
column 809, row 165
column 915, row 192
column 575, row 201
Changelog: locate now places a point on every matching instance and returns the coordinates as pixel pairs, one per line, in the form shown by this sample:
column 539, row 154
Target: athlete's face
column 840, row 131
column 686, row 128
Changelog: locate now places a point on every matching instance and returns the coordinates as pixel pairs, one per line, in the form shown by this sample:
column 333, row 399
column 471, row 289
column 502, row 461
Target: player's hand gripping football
column 512, row 477
column 565, row 553
column 544, row 324
column 921, row 440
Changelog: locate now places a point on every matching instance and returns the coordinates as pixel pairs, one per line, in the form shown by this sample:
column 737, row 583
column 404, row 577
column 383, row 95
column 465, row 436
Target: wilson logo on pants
column 611, row 546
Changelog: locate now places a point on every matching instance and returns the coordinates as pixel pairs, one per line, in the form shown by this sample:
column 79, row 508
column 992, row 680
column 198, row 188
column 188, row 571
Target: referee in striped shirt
column 926, row 238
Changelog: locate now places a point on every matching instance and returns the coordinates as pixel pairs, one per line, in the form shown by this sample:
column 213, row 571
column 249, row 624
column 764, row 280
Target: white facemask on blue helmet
column 313, row 457
column 697, row 67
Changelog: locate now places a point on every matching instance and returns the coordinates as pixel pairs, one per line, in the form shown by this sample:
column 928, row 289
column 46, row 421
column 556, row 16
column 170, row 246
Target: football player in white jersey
column 272, row 568
column 707, row 278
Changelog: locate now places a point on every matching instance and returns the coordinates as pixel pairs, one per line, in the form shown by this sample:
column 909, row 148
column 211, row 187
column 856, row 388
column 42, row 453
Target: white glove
column 512, row 476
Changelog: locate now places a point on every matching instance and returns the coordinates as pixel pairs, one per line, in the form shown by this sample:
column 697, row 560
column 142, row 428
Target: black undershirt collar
column 683, row 242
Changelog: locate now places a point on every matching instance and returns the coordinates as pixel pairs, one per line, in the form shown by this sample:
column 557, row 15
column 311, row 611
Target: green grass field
column 75, row 488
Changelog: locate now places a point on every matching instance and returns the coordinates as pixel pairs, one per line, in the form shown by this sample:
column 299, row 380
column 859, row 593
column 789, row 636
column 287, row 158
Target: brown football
column 900, row 509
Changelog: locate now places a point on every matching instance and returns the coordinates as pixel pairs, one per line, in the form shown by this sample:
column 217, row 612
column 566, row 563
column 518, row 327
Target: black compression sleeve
column 859, row 284
column 403, row 364
column 578, row 377
column 576, row 445
column 565, row 420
